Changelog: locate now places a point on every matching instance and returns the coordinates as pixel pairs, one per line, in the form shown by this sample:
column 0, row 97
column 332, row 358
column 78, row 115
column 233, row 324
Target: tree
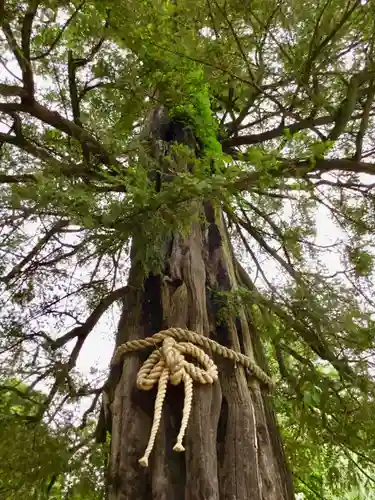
column 205, row 137
column 40, row 461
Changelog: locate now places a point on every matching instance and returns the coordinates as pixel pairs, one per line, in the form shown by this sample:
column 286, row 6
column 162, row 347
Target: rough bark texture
column 233, row 449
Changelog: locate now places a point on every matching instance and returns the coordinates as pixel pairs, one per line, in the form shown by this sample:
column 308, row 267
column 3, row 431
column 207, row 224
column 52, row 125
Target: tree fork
column 233, row 446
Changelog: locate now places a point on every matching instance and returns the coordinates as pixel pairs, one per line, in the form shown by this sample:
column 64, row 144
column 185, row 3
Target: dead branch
column 84, row 330
column 35, row 250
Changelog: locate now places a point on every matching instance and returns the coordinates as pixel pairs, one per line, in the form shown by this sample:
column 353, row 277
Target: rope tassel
column 168, row 364
column 162, row 390
column 188, row 399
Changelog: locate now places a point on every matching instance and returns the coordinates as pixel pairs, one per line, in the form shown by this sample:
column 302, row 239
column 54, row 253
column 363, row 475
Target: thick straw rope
column 168, row 364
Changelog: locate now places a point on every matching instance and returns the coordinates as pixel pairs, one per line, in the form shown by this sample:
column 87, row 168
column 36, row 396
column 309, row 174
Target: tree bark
column 233, row 446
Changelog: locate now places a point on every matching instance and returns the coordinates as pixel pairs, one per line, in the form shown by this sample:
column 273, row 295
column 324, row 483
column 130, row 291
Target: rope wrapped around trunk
column 168, row 363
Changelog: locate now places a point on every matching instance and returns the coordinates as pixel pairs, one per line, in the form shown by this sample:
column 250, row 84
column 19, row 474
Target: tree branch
column 19, row 141
column 298, row 169
column 12, row 91
column 22, row 394
column 89, row 410
column 236, row 39
column 83, row 331
column 54, row 119
column 347, row 106
column 275, row 228
column 28, row 79
column 245, row 224
column 37, row 248
column 247, row 140
column 73, row 64
column 15, row 179
column 22, row 55
column 363, row 127
column 60, row 34
column 69, row 170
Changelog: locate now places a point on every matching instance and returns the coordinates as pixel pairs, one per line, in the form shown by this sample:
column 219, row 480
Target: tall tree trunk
column 233, row 448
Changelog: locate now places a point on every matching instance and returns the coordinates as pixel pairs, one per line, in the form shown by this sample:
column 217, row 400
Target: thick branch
column 22, row 55
column 40, row 153
column 328, row 165
column 73, row 64
column 27, row 74
column 347, row 106
column 364, row 123
column 290, row 168
column 247, row 140
column 12, row 91
column 54, row 119
column 15, row 179
column 307, row 123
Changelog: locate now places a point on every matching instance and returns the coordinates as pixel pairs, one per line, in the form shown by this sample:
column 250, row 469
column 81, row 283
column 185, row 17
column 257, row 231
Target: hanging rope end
column 143, row 461
column 178, row 447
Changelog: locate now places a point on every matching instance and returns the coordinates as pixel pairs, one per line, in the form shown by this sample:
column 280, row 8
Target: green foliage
column 30, row 453
column 362, row 261
column 36, row 460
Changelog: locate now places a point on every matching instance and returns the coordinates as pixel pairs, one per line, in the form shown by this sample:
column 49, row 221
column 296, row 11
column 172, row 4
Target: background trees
column 40, row 460
column 290, row 137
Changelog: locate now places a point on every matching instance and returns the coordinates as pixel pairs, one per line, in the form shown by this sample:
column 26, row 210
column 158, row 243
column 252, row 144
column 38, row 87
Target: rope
column 168, row 364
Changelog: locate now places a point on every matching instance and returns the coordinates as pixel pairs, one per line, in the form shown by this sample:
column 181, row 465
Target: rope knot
column 173, row 360
column 168, row 364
